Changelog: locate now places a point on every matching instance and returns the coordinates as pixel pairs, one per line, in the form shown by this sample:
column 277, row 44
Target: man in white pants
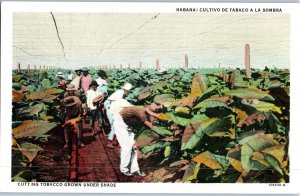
column 119, row 94
column 124, row 116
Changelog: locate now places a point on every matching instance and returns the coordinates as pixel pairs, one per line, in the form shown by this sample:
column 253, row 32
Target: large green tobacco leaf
column 265, row 159
column 146, row 137
column 148, row 91
column 249, row 93
column 30, row 128
column 162, row 131
column 246, row 154
column 273, row 162
column 29, row 150
column 211, row 160
column 195, row 131
column 190, row 137
column 42, row 96
column 53, row 91
column 255, row 143
column 258, row 161
column 268, row 84
column 184, row 102
column 275, row 124
column 199, row 85
column 261, row 105
column 259, row 141
column 31, row 87
column 160, row 99
column 153, row 147
column 276, row 152
column 33, row 110
column 46, row 83
column 191, row 173
column 144, row 93
column 210, row 104
column 234, row 157
column 176, row 119
column 181, row 120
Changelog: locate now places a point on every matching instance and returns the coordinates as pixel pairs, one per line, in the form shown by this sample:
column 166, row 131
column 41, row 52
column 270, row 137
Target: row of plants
column 216, row 125
column 36, row 111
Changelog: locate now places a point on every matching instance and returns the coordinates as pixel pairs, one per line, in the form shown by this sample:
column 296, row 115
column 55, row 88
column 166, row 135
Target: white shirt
column 101, row 82
column 90, row 95
column 70, row 76
column 118, row 105
column 116, row 95
column 76, row 82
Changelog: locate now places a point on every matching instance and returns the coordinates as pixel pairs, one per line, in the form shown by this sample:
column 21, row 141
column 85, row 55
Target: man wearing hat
column 86, row 80
column 70, row 76
column 73, row 109
column 119, row 94
column 71, row 91
column 93, row 103
column 76, row 80
column 61, row 83
column 125, row 116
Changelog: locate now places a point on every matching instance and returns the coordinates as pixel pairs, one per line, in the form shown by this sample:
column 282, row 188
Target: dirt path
column 96, row 163
column 91, row 163
column 52, row 163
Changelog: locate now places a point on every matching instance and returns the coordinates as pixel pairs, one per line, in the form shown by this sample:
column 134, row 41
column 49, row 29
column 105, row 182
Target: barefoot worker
column 125, row 116
column 73, row 109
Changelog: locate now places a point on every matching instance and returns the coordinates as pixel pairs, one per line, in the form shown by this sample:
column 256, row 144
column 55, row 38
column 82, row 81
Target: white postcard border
column 8, row 8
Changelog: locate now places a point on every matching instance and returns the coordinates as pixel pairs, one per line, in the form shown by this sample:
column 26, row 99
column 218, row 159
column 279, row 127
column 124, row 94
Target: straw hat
column 78, row 69
column 127, row 86
column 70, row 87
column 85, row 69
column 60, row 74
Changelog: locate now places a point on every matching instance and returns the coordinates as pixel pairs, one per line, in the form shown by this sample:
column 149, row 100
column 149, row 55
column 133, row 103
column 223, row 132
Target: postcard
column 149, row 97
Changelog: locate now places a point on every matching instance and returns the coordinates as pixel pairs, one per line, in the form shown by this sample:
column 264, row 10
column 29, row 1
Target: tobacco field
column 216, row 125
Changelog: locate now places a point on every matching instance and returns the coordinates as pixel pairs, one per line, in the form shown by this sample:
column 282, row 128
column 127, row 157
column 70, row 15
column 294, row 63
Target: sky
column 72, row 40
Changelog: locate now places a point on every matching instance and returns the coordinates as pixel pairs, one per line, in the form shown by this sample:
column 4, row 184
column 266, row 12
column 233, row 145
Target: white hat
column 60, row 73
column 127, row 86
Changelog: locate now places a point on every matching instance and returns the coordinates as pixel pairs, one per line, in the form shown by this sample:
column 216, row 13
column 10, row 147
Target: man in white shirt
column 119, row 94
column 94, row 111
column 76, row 80
column 70, row 76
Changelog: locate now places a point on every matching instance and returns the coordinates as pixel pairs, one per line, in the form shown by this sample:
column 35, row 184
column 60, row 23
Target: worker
column 124, row 117
column 119, row 94
column 92, row 106
column 70, row 76
column 71, row 91
column 76, row 80
column 73, row 109
column 61, row 83
column 86, row 80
